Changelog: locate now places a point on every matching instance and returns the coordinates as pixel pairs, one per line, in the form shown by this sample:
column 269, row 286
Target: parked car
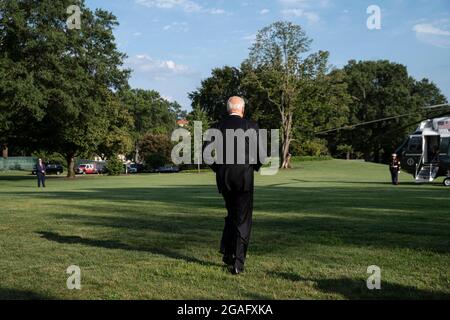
column 88, row 168
column 132, row 168
column 50, row 168
column 55, row 168
column 168, row 169
column 139, row 167
column 101, row 167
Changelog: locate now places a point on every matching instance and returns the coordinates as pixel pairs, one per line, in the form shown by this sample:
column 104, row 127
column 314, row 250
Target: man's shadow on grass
column 357, row 289
column 113, row 244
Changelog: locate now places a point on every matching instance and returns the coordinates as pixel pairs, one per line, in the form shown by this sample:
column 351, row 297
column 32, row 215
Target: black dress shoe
column 236, row 271
column 228, row 260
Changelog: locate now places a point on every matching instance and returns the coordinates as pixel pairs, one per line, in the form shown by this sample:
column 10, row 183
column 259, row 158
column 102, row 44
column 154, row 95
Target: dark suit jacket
column 40, row 168
column 236, row 177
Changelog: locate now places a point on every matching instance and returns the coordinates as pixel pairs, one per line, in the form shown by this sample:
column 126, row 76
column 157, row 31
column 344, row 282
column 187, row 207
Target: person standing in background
column 394, row 167
column 40, row 172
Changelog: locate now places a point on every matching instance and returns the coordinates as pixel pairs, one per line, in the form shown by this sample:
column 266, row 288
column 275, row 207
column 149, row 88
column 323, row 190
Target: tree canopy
column 58, row 84
column 151, row 114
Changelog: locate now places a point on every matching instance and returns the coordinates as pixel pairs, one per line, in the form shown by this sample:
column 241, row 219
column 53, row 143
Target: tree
column 295, row 85
column 215, row 91
column 5, row 151
column 151, row 114
column 57, row 82
column 276, row 58
column 428, row 93
column 323, row 105
column 118, row 140
column 199, row 115
column 156, row 149
column 177, row 110
column 22, row 104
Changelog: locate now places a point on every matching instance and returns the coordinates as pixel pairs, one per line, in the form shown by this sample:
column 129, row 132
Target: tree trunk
column 5, row 151
column 70, row 166
column 136, row 155
column 287, row 127
column 286, row 158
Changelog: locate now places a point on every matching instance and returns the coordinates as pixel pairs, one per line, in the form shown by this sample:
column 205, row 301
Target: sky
column 174, row 44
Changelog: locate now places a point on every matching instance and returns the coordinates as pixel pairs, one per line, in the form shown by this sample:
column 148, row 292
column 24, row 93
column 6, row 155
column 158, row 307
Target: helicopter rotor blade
column 418, row 122
column 437, row 106
column 348, row 127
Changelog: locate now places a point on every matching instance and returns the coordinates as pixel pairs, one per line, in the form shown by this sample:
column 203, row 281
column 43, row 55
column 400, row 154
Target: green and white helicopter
column 426, row 152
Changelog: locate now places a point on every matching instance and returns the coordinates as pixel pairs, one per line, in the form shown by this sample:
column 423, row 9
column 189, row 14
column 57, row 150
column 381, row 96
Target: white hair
column 235, row 106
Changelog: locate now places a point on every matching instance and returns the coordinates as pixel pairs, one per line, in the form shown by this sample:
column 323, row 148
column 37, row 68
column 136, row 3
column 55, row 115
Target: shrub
column 155, row 149
column 344, row 151
column 313, row 148
column 155, row 160
column 114, row 166
column 310, row 158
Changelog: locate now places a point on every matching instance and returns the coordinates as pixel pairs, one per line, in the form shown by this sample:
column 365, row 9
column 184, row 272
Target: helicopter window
column 415, row 145
column 445, row 142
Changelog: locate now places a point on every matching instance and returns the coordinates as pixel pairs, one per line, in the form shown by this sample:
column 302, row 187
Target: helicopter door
column 428, row 168
column 431, row 149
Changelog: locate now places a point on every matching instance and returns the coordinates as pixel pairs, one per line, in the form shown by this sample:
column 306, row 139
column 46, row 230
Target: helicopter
column 426, row 152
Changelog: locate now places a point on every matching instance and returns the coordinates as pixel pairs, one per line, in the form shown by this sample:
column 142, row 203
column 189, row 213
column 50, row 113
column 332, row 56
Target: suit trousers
column 394, row 176
column 238, row 225
column 41, row 180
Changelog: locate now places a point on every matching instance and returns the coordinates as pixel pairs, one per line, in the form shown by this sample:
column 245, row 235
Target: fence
column 17, row 163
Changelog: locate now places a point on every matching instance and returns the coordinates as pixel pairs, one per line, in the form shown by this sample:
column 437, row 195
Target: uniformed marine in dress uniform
column 394, row 167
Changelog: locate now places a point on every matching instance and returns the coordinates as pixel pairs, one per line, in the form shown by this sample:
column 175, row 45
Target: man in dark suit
column 234, row 179
column 40, row 172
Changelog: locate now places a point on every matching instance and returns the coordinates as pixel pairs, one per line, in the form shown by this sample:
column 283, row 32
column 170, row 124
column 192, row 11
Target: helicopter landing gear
column 447, row 182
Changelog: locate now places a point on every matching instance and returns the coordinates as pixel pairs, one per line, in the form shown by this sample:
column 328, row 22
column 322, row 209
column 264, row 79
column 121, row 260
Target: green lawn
column 316, row 229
